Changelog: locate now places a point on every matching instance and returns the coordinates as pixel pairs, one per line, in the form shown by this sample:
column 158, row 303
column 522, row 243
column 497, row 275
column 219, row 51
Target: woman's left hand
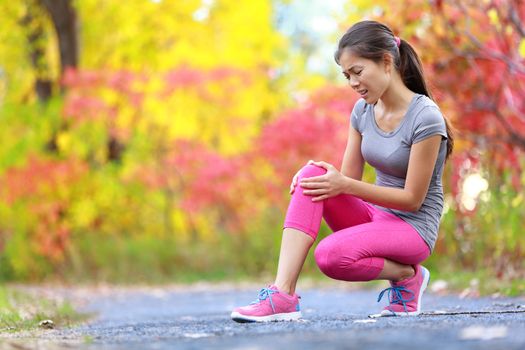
column 325, row 186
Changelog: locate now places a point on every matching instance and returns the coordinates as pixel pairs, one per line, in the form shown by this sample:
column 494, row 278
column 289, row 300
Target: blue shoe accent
column 395, row 296
column 264, row 294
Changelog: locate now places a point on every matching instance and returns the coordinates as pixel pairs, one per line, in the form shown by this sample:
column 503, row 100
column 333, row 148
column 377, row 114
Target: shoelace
column 265, row 293
column 397, row 296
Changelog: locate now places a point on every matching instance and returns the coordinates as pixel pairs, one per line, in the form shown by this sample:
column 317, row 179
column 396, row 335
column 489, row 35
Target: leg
column 303, row 218
column 302, row 223
column 294, row 248
column 394, row 271
column 301, row 226
column 385, row 249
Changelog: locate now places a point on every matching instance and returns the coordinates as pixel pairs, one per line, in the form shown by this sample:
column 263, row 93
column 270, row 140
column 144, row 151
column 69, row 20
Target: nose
column 354, row 83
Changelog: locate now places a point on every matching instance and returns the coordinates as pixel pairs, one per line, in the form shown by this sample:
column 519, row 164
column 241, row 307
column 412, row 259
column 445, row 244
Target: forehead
column 348, row 60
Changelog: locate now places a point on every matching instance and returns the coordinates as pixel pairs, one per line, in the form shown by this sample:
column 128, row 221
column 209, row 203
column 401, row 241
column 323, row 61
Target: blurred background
column 153, row 141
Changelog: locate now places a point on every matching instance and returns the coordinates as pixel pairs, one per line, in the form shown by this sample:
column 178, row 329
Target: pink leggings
column 363, row 236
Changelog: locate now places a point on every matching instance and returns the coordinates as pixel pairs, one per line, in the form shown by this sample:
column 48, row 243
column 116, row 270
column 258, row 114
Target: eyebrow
column 352, row 67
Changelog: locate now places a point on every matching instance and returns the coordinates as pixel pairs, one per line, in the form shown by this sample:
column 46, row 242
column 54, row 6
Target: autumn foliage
column 173, row 143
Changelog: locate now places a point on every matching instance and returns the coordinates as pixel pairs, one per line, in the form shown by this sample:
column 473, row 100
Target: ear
column 388, row 62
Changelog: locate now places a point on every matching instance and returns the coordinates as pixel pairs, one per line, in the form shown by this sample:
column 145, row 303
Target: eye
column 347, row 77
column 359, row 73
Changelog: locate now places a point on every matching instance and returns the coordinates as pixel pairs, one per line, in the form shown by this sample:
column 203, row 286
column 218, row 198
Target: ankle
column 407, row 273
column 284, row 289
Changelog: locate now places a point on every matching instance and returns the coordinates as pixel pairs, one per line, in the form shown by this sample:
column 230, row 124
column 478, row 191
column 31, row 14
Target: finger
column 323, row 164
column 320, row 178
column 314, row 185
column 320, row 198
column 317, row 192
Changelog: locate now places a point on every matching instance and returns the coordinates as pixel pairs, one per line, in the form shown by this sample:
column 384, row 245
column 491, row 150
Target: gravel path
column 334, row 318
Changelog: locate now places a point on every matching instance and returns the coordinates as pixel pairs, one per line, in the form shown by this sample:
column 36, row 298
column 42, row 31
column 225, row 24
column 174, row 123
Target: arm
column 353, row 162
column 423, row 156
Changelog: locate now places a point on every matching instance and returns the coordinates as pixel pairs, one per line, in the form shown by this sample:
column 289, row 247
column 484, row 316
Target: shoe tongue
column 398, row 284
column 401, row 283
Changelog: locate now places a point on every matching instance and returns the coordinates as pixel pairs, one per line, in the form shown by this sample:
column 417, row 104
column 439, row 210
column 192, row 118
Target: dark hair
column 371, row 40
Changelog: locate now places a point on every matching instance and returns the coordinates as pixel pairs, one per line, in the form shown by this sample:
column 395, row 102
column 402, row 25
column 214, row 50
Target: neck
column 397, row 96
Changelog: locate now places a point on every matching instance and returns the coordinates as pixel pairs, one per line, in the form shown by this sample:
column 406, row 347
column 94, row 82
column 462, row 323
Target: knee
column 311, row 170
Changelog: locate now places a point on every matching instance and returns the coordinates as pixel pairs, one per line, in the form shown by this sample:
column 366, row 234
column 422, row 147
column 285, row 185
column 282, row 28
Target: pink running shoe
column 405, row 296
column 271, row 305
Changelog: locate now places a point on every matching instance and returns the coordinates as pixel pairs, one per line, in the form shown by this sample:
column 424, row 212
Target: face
column 368, row 78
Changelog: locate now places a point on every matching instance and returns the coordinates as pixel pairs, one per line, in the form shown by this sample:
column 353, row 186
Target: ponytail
column 411, row 71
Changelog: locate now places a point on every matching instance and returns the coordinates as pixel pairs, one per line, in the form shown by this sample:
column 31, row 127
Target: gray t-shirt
column 389, row 152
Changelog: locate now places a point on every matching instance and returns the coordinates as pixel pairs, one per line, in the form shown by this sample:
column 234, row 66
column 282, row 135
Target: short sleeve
column 429, row 122
column 358, row 115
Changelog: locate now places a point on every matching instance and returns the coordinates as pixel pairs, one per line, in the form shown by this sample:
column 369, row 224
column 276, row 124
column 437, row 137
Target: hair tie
column 398, row 41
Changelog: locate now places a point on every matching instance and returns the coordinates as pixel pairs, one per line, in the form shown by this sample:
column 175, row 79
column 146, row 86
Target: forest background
column 155, row 141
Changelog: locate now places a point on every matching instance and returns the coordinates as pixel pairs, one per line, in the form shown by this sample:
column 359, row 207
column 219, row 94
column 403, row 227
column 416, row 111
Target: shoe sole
column 424, row 285
column 288, row 316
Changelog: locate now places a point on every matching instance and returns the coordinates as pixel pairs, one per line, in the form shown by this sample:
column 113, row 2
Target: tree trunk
column 64, row 20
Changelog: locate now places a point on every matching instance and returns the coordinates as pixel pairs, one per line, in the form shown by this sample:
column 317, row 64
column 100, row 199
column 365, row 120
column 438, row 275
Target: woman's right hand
column 296, row 177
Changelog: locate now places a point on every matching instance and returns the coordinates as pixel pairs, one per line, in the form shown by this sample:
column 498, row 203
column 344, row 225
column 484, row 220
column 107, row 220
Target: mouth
column 363, row 93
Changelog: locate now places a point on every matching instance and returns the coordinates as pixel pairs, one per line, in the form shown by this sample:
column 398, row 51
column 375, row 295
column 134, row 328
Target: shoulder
column 427, row 112
column 427, row 120
column 358, row 115
column 359, row 108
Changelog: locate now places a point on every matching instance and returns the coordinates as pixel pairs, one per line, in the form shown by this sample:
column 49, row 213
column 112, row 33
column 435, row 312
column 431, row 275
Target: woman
column 383, row 230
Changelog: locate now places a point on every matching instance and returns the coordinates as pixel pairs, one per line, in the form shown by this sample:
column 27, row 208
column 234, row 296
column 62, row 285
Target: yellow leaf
column 522, row 48
column 64, row 141
column 517, row 201
column 493, row 16
column 83, row 212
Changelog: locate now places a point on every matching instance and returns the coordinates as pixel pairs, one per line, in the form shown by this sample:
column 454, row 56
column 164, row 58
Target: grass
column 20, row 311
column 481, row 281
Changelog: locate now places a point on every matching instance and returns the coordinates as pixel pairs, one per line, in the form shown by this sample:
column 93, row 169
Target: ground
column 335, row 317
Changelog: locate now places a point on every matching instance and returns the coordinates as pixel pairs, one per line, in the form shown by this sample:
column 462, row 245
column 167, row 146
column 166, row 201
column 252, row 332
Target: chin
column 369, row 99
